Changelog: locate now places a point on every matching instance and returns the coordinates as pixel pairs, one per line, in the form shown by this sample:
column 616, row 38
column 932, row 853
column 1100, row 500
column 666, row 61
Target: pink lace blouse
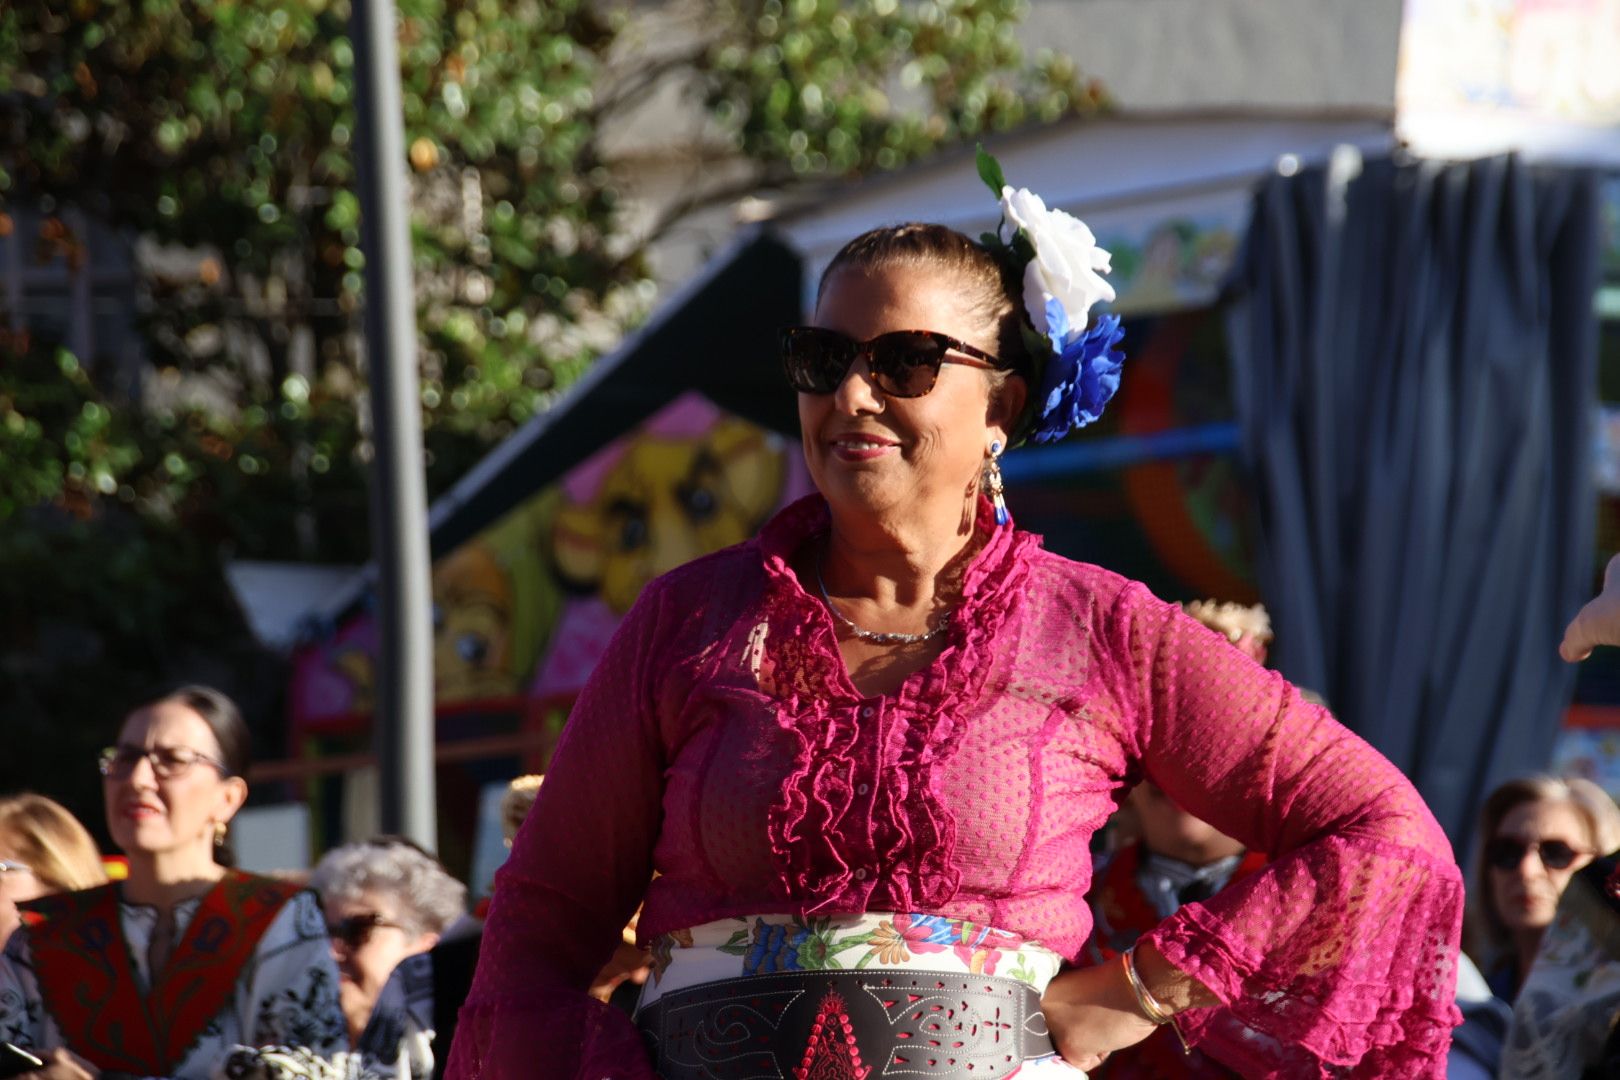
column 721, row 743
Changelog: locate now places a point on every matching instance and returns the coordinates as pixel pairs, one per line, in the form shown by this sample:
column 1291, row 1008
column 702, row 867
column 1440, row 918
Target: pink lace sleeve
column 579, row 867
column 1340, row 957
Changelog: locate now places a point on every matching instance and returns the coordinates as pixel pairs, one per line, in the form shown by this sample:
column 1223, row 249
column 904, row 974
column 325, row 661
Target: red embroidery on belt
column 831, row 1053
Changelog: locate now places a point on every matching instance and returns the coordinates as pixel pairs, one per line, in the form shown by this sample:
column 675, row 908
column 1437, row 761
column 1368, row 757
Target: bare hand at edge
column 1598, row 623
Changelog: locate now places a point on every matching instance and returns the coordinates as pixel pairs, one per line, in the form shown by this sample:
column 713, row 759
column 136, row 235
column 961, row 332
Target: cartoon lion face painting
column 472, row 614
column 666, row 502
column 699, row 483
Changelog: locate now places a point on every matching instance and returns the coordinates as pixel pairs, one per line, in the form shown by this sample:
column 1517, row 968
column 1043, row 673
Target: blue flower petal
column 1081, row 375
column 1057, row 322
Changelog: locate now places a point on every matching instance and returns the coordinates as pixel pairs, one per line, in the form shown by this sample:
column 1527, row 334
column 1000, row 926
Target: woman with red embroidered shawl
column 168, row 972
column 864, row 754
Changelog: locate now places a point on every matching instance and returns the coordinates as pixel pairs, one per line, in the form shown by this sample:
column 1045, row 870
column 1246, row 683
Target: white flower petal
column 1068, row 264
column 1035, row 295
column 1071, row 231
column 1024, row 209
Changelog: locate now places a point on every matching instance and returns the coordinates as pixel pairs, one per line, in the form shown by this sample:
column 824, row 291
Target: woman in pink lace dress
column 864, row 754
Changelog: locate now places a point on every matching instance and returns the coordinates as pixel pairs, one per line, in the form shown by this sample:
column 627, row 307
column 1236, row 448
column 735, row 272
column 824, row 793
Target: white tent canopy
column 1128, row 177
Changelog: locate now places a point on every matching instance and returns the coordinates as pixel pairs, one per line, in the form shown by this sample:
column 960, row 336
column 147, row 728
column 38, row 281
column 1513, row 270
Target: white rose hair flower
column 1068, row 265
column 1077, row 367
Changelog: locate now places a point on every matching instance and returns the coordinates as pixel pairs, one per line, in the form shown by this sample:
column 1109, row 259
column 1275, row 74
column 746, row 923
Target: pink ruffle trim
column 911, row 831
column 1377, row 1025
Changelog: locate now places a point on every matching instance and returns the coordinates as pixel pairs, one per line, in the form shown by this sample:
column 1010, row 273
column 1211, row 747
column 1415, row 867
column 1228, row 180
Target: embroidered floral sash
column 879, row 940
column 754, row 963
column 88, row 981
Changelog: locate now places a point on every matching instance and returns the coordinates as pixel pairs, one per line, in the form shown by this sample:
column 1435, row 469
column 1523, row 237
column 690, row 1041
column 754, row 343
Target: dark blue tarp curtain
column 1414, row 365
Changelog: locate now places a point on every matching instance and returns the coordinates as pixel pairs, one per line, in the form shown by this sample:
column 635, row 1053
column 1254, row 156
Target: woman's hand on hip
column 1092, row 1012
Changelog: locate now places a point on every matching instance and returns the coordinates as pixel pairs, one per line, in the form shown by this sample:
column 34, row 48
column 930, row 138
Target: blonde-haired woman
column 1535, row 833
column 43, row 850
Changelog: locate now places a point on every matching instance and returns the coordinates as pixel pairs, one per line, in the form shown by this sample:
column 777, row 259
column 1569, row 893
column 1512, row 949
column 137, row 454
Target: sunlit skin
column 899, row 472
column 1598, row 623
column 627, row 964
column 364, row 969
column 1526, row 896
column 1170, row 831
column 16, row 887
column 901, row 475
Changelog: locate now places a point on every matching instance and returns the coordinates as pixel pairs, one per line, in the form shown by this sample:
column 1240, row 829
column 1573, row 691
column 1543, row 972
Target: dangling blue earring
column 992, row 479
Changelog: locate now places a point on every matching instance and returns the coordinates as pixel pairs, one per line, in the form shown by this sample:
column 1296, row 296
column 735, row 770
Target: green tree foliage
column 228, row 129
column 111, row 520
column 811, row 88
column 815, row 86
column 220, row 133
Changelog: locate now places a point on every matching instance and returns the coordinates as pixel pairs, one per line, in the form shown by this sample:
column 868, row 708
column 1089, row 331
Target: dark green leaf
column 990, row 171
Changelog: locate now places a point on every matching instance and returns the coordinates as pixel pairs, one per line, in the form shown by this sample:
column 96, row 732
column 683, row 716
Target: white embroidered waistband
column 880, row 940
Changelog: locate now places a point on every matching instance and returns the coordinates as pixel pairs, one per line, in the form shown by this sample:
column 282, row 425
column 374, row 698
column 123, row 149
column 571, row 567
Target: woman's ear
column 1006, row 406
column 234, row 793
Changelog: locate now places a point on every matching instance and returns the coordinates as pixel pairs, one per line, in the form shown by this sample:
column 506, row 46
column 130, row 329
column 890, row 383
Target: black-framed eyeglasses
column 355, row 930
column 117, row 762
column 904, row 363
column 1507, row 852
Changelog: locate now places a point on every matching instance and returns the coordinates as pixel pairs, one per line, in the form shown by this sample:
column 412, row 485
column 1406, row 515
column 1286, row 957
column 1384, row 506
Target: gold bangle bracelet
column 1151, row 1007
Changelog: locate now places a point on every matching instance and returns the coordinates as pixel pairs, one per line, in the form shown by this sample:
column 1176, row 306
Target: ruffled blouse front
column 722, row 743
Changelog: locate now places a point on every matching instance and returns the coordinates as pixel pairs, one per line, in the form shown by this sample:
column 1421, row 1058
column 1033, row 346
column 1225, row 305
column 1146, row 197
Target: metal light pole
column 403, row 722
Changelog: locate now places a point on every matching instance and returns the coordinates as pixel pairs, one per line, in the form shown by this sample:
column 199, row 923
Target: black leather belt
column 843, row 1023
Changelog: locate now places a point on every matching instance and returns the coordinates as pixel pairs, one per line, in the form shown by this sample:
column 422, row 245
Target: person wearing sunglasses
column 384, row 899
column 168, row 972
column 43, row 850
column 413, row 1021
column 865, row 752
column 1536, row 833
column 1566, row 1018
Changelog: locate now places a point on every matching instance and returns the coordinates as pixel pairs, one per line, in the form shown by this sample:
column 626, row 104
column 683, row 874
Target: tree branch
column 647, row 76
column 703, row 199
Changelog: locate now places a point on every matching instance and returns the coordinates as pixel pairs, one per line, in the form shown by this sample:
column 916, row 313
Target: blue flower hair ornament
column 1076, row 368
column 1080, row 376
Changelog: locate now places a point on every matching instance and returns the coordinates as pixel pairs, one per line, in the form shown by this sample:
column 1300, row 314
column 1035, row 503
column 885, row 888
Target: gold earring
column 220, row 829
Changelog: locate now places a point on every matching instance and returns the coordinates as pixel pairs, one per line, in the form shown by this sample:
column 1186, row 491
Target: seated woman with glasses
column 1535, row 833
column 385, row 899
column 166, row 973
column 43, row 850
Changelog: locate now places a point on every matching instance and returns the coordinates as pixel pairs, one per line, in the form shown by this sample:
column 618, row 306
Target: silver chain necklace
column 876, row 637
